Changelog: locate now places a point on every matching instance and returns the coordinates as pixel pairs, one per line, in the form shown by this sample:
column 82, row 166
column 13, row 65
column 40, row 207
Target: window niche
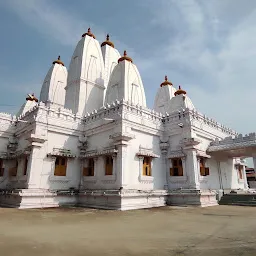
column 240, row 171
column 145, row 169
column 177, row 167
column 13, row 170
column 60, row 166
column 109, row 165
column 147, row 166
column 204, row 171
column 88, row 171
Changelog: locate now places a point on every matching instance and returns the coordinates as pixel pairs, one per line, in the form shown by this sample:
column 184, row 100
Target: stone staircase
column 238, row 199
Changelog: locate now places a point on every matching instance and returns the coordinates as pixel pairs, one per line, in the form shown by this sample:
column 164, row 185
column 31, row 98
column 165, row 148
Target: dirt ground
column 219, row 230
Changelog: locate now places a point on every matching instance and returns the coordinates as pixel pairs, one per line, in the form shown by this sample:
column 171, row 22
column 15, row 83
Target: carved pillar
column 192, row 169
column 141, row 158
column 82, row 164
column 164, row 145
column 35, row 166
column 122, row 165
column 165, row 164
column 121, row 140
column 245, row 178
column 114, row 157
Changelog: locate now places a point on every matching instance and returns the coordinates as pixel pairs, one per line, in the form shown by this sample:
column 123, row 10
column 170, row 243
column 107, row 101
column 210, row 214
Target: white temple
column 91, row 141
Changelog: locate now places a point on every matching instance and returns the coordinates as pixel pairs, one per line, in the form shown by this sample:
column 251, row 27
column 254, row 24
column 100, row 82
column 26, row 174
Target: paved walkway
column 213, row 231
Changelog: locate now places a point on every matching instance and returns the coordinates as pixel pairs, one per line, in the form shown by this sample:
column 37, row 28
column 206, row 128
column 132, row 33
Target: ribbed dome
column 166, row 82
column 125, row 57
column 180, row 91
column 58, row 61
column 89, row 33
column 107, row 42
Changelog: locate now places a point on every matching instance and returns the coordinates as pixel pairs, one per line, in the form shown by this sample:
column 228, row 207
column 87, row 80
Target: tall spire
column 108, row 42
column 89, row 33
column 58, row 61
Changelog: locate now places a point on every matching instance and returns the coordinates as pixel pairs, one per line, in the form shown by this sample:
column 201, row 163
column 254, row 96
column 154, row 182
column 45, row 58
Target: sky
column 207, row 47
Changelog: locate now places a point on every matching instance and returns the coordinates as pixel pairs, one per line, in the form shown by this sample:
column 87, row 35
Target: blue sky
column 207, row 47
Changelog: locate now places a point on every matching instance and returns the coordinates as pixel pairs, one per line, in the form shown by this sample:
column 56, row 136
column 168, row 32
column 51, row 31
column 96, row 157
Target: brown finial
column 89, row 33
column 107, row 42
column 31, row 97
column 166, row 82
column 58, row 61
column 179, row 91
column 125, row 57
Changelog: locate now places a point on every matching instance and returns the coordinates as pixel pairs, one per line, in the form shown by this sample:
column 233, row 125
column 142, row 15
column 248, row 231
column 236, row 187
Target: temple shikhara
column 90, row 140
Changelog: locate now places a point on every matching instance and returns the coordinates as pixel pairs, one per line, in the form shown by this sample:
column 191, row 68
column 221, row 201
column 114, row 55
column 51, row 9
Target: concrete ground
column 219, row 230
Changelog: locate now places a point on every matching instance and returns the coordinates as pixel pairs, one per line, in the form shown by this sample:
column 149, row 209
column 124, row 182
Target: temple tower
column 85, row 84
column 53, row 88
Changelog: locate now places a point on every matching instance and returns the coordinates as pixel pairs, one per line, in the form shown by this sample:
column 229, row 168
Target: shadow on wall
column 159, row 167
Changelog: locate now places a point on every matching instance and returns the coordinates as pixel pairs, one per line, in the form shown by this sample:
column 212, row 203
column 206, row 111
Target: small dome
column 58, row 61
column 107, row 42
column 125, row 57
column 89, row 33
column 180, row 91
column 31, row 97
column 166, row 82
column 180, row 101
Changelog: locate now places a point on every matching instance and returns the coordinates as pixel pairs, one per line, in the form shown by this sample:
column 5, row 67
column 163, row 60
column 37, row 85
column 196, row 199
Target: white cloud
column 51, row 20
column 216, row 68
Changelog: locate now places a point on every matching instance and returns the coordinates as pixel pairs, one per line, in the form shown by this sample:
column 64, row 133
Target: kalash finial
column 107, row 42
column 31, row 97
column 89, row 33
column 179, row 91
column 166, row 82
column 58, row 61
column 125, row 57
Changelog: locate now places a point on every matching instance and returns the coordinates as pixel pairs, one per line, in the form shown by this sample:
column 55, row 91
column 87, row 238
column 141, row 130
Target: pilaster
column 192, row 169
column 35, row 164
column 121, row 140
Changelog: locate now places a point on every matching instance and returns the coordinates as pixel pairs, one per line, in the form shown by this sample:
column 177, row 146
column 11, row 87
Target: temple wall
column 134, row 178
column 97, row 144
